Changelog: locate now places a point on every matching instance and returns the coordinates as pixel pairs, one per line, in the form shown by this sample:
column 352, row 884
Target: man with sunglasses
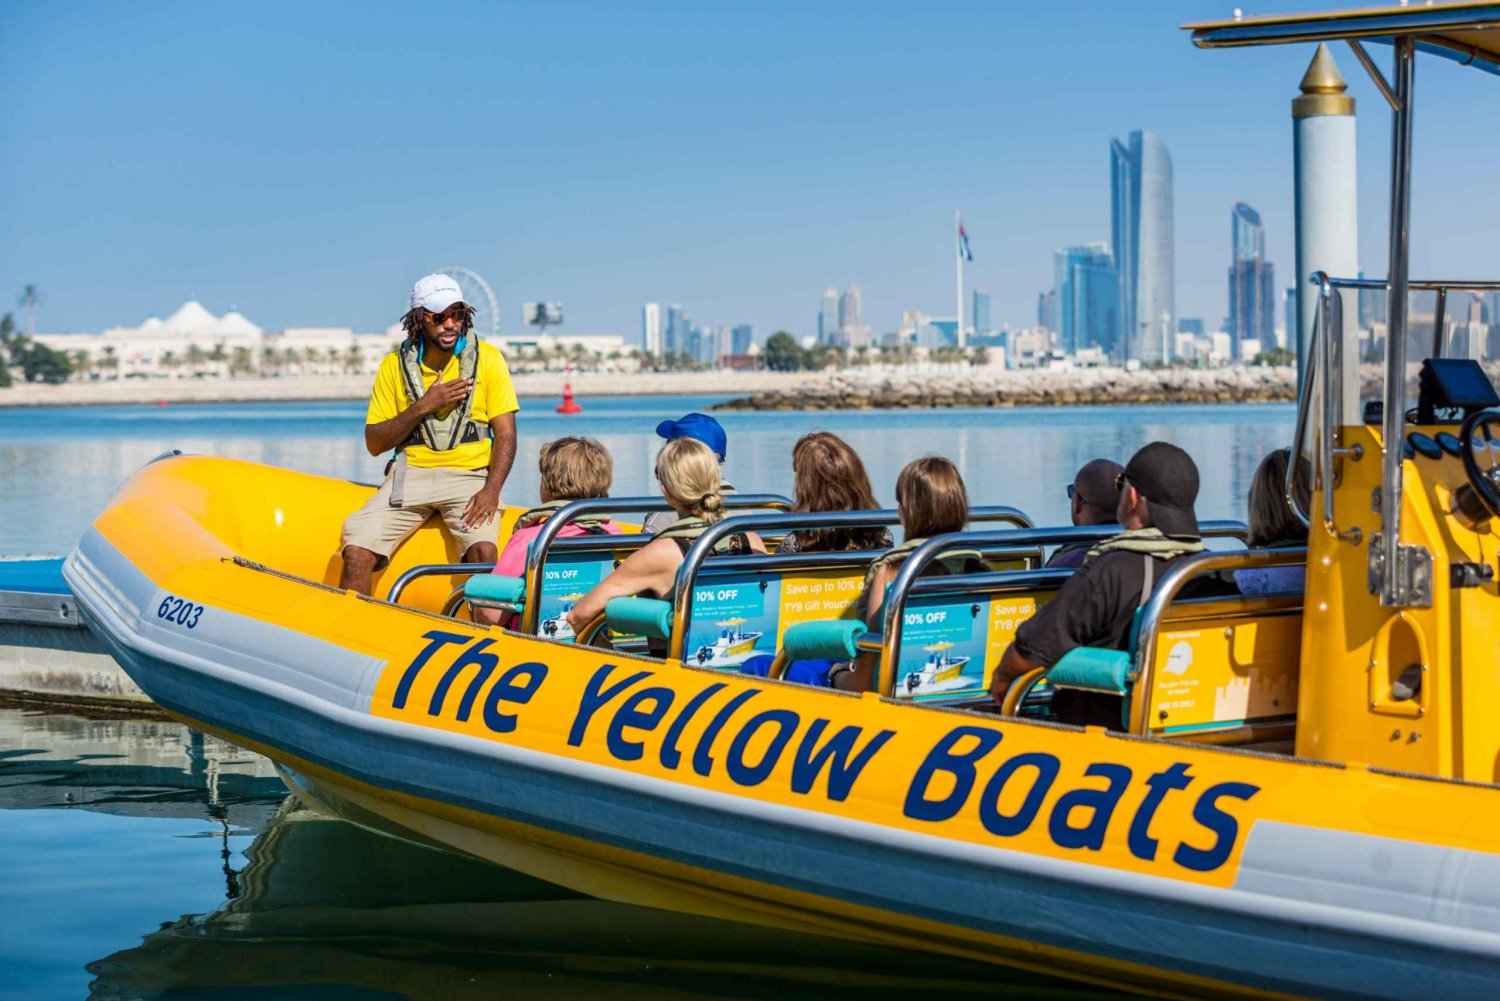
column 1092, row 499
column 1097, row 605
column 444, row 402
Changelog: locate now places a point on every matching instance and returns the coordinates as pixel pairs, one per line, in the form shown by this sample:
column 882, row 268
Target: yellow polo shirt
column 493, row 395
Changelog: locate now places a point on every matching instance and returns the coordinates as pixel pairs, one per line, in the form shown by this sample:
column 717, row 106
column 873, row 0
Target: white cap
column 436, row 293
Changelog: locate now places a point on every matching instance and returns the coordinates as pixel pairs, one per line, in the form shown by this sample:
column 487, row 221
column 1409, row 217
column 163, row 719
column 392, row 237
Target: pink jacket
column 512, row 562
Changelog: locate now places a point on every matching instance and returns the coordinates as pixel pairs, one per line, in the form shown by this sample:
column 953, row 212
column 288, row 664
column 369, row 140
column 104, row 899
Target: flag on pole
column 964, row 252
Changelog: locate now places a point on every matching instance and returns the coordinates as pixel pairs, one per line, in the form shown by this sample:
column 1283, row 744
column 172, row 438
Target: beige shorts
column 380, row 528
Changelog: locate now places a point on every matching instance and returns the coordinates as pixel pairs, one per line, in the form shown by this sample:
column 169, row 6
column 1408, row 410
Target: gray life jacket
column 442, row 433
column 437, row 433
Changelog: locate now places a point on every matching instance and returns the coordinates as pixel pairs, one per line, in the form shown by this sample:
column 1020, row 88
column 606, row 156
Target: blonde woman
column 1273, row 524
column 688, row 472
column 572, row 469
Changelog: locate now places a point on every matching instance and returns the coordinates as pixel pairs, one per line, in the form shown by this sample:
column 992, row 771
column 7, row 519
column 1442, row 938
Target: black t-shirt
column 1096, row 607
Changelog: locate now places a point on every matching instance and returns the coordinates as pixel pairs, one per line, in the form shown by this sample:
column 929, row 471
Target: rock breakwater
column 867, row 390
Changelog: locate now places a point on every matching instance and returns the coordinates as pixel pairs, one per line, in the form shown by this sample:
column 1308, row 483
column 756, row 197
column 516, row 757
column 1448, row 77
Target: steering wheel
column 1484, row 482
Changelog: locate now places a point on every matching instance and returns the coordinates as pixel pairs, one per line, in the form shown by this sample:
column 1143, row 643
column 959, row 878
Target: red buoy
column 568, row 404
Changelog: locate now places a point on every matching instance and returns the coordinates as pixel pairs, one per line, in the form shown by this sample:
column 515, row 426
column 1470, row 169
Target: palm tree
column 353, row 359
column 267, row 359
column 195, row 359
column 31, row 298
column 109, row 362
column 168, row 361
column 239, row 362
column 82, row 364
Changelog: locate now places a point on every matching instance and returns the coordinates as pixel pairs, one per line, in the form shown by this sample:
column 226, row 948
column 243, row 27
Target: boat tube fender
column 496, row 591
column 440, row 434
column 649, row 617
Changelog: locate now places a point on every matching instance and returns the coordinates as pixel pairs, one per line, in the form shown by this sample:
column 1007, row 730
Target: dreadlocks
column 412, row 322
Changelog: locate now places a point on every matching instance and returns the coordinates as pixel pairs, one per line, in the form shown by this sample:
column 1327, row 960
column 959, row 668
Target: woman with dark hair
column 1273, row 523
column 829, row 476
column 931, row 500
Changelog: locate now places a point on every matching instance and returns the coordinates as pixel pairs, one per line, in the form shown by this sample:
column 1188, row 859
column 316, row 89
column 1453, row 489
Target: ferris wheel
column 477, row 293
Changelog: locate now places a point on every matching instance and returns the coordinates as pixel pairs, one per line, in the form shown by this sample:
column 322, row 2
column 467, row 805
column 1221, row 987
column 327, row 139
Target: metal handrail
column 560, row 519
column 1328, row 332
column 913, row 566
column 434, row 570
column 692, row 562
column 1166, row 590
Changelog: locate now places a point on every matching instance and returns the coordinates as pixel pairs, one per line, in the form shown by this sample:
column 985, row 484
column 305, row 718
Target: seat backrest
column 952, row 637
column 742, row 605
column 1224, row 669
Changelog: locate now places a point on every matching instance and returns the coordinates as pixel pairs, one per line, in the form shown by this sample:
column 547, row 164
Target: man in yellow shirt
column 439, row 400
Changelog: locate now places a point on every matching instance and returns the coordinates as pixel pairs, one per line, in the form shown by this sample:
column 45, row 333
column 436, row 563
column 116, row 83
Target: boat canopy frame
column 1468, row 33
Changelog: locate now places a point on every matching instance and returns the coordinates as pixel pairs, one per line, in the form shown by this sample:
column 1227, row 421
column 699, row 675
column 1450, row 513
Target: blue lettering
column 439, row 640
column 669, row 755
column 742, row 772
column 595, row 695
column 1009, row 825
column 474, row 656
column 959, row 764
column 703, row 762
column 1101, row 801
column 1142, row 844
column 632, row 716
column 507, row 689
column 809, row 759
column 1207, row 813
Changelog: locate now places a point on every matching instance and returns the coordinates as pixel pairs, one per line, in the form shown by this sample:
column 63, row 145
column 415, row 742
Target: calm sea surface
column 143, row 860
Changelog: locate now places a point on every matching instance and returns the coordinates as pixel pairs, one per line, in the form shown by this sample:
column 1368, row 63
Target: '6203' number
column 174, row 609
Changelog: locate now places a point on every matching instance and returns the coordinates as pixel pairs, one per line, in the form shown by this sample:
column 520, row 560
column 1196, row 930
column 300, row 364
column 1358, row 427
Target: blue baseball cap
column 699, row 427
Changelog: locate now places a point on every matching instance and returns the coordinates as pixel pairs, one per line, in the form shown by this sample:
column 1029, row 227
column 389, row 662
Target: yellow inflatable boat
column 1305, row 802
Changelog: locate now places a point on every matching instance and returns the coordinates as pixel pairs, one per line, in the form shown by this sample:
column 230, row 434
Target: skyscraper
column 1086, row 298
column 981, row 313
column 828, row 316
column 741, row 339
column 677, row 329
column 651, row 341
column 849, row 309
column 1252, row 283
column 1141, row 228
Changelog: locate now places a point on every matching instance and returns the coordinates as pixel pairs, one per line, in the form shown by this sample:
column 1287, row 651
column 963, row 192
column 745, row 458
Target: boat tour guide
column 444, row 401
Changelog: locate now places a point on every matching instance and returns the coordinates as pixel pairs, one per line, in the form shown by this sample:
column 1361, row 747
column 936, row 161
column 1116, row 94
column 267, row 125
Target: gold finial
column 1324, row 91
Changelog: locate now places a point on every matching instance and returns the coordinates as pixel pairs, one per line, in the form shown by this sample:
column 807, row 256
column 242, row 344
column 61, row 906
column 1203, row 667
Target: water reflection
column 123, row 906
column 1021, row 456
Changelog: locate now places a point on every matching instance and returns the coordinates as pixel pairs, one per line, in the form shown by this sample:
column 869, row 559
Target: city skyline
column 554, row 181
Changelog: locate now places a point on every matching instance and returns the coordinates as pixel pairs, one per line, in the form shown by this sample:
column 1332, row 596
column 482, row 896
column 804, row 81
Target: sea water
column 144, row 860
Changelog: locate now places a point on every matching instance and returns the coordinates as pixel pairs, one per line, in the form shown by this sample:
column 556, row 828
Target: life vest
column 591, row 524
column 458, row 428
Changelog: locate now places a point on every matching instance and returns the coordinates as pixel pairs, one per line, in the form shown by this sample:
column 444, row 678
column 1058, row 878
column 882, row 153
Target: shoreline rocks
column 868, row 390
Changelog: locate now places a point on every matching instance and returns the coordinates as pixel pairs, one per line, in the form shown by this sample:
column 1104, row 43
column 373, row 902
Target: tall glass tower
column 1087, row 291
column 1252, row 283
column 1141, row 218
column 828, row 316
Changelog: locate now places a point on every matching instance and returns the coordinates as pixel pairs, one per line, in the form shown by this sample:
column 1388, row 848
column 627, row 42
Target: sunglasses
column 1120, row 480
column 458, row 313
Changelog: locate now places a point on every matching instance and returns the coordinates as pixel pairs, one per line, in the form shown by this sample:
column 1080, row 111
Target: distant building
column 1086, row 298
column 1289, row 304
column 741, row 338
column 1142, row 236
column 1252, row 283
column 651, row 332
column 1191, row 325
column 981, row 313
column 850, row 307
column 676, row 339
column 828, row 316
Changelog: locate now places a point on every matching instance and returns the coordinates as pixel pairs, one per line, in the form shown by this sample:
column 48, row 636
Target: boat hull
column 1206, row 872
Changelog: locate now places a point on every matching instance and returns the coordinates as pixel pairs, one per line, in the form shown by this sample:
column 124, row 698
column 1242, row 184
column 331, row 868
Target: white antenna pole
column 958, row 246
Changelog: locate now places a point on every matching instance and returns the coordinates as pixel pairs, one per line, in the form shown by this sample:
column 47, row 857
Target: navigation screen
column 1462, row 382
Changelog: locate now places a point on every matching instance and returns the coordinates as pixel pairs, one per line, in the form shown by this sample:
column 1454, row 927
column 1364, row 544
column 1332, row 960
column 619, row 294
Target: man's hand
column 441, row 395
column 482, row 506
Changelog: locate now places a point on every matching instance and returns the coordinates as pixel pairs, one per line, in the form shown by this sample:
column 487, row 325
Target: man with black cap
column 1097, row 605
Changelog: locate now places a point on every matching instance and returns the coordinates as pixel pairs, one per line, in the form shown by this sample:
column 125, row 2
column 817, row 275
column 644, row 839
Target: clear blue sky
column 306, row 162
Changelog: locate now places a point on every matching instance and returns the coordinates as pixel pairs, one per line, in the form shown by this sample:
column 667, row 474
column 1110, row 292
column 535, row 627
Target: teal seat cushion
column 496, row 590
column 1090, row 669
column 833, row 639
column 649, row 617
